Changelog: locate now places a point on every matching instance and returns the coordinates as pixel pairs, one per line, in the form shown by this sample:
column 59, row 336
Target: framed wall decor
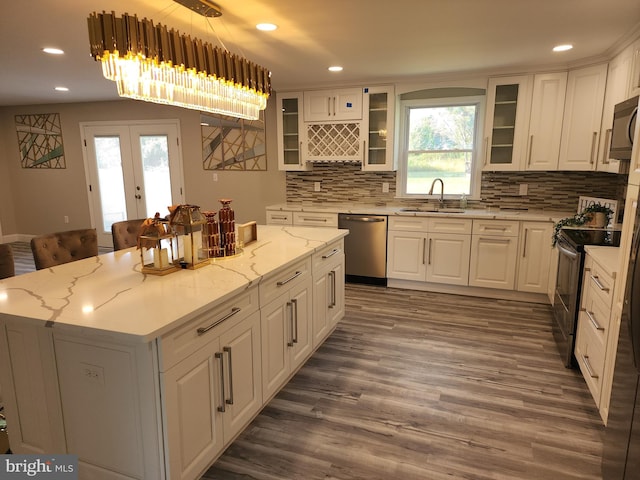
column 233, row 144
column 40, row 141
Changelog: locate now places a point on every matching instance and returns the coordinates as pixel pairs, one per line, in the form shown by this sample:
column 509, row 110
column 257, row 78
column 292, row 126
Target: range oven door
column 565, row 305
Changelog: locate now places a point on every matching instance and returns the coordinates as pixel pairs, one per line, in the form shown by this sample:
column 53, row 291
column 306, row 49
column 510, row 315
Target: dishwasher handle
column 363, row 219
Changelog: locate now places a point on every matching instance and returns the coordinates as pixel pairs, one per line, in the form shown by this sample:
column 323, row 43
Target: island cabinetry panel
column 494, row 249
column 582, row 118
column 328, row 291
column 534, row 257
column 285, row 325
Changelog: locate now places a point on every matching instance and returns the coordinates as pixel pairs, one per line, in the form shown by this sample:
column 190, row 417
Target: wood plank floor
column 416, row 385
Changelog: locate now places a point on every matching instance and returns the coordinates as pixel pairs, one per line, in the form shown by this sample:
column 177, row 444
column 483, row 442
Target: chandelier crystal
column 151, row 63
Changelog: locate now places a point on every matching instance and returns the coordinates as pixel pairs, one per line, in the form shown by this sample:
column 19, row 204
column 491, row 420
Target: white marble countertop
column 108, row 295
column 607, row 257
column 493, row 213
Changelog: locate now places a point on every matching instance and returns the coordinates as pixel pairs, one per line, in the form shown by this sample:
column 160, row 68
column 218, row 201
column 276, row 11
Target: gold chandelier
column 151, row 63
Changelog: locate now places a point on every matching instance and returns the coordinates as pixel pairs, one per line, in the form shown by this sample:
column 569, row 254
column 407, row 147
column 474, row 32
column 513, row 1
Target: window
column 439, row 140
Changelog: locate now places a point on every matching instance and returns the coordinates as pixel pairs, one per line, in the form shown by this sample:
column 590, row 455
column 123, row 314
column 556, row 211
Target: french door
column 133, row 171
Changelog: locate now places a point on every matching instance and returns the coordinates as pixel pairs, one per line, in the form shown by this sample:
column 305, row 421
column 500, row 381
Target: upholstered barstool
column 64, row 247
column 7, row 265
column 125, row 234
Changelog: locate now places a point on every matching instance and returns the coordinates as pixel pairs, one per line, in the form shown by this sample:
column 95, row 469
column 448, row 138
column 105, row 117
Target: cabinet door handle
column 587, row 364
column 424, row 251
column 220, row 356
column 290, row 310
column 332, row 296
column 607, row 141
column 593, row 146
column 334, row 106
column 329, row 105
column 228, row 351
column 292, row 277
column 524, row 246
column 203, row 330
column 596, row 280
column 429, row 257
column 331, row 254
column 530, row 148
column 486, row 150
column 595, row 324
column 294, row 319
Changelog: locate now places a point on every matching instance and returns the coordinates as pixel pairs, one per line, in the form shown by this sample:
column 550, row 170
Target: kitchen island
column 148, row 376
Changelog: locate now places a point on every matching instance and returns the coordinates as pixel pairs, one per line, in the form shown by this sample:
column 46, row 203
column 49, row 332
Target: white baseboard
column 16, row 237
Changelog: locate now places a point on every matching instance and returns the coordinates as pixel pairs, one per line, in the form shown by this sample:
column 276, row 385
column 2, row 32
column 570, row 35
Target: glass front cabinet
column 290, row 131
column 379, row 111
column 506, row 123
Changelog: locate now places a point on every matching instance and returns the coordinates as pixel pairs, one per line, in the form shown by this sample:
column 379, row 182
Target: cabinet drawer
column 450, row 225
column 276, row 217
column 496, row 228
column 278, row 283
column 327, row 254
column 315, row 219
column 181, row 342
column 590, row 357
column 408, row 224
column 599, row 281
column 597, row 316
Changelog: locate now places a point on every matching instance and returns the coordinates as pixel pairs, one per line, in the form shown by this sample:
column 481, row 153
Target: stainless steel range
column 571, row 243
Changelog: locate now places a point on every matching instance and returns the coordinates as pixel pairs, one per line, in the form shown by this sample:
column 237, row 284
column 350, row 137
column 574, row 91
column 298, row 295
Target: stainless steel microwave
column 624, row 125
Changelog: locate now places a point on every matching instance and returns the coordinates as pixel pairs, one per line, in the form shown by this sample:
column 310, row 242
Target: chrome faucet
column 441, row 201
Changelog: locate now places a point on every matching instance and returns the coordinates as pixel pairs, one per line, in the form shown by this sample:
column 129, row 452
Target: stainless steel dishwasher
column 365, row 248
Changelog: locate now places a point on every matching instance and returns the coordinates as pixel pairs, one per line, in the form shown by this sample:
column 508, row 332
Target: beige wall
column 35, row 201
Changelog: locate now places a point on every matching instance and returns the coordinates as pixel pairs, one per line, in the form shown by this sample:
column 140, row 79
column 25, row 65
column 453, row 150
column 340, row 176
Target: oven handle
column 568, row 253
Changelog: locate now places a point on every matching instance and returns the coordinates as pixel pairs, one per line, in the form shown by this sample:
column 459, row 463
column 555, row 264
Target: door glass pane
column 154, row 150
column 112, row 199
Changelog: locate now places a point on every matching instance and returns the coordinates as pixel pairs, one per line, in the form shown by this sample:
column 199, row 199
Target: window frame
column 477, row 158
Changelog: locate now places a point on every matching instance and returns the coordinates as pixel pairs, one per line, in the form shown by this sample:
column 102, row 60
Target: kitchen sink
column 432, row 210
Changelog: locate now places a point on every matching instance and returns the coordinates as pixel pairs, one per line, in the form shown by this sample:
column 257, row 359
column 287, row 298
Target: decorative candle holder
column 227, row 221
column 187, row 221
column 211, row 236
column 157, row 244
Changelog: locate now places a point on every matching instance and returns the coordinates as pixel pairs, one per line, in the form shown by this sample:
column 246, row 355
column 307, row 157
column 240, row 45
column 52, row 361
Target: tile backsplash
column 347, row 183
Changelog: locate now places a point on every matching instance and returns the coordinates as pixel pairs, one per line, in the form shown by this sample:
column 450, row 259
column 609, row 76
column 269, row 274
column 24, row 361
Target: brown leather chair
column 64, row 247
column 7, row 266
column 125, row 234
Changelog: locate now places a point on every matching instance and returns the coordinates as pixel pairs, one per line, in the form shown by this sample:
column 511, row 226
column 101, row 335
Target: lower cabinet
column 494, row 250
column 447, row 258
column 534, row 257
column 328, row 293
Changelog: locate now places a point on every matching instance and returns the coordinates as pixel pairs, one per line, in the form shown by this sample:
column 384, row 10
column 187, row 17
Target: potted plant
column 595, row 215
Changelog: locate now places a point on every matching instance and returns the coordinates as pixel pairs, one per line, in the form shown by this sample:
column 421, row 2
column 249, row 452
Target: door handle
column 294, row 317
column 230, row 400
column 220, row 356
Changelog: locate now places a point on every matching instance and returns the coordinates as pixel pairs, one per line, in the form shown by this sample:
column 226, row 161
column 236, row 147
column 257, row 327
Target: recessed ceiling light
column 53, row 51
column 562, row 48
column 266, row 27
column 335, row 68
column 61, row 89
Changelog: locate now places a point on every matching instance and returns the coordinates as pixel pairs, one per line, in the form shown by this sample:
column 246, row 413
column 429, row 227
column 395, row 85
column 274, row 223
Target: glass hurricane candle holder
column 157, row 244
column 187, row 221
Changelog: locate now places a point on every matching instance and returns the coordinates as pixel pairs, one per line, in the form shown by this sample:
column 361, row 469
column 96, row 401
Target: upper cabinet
column 290, row 131
column 545, row 124
column 331, row 105
column 507, row 122
column 378, row 106
column 582, row 118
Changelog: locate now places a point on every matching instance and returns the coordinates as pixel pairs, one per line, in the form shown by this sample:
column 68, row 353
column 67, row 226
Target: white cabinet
column 534, row 257
column 328, row 290
column 279, row 217
column 378, row 105
column 615, row 92
column 290, row 132
column 507, row 122
column 315, row 219
column 330, row 105
column 431, row 249
column 545, row 124
column 494, row 246
column 582, row 118
column 285, row 325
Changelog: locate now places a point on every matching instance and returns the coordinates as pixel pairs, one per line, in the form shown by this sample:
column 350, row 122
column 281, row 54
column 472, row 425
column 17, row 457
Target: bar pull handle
column 294, row 319
column 230, row 400
column 220, row 356
column 524, row 247
column 331, row 254
column 593, row 146
column 332, row 297
column 596, row 280
column 314, row 219
column 530, row 148
column 424, row 251
column 290, row 309
column 486, row 150
column 279, row 217
column 587, row 364
column 607, row 142
column 292, row 277
column 203, row 330
column 429, row 260
column 595, row 324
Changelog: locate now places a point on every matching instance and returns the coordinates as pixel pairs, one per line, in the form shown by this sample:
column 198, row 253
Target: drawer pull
column 331, row 254
column 203, row 330
column 596, row 280
column 595, row 324
column 312, row 219
column 587, row 364
column 279, row 217
column 499, row 229
column 292, row 277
